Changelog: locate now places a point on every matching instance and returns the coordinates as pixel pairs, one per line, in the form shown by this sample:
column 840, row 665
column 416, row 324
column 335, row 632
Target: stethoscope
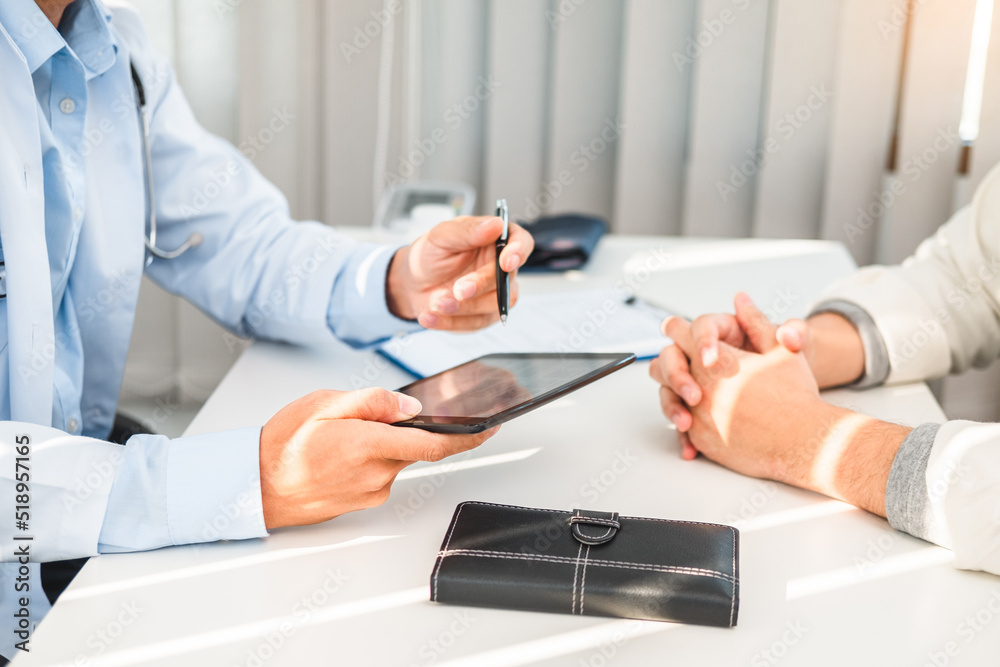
column 150, row 238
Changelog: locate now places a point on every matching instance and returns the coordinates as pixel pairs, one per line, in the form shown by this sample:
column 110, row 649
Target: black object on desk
column 563, row 242
column 589, row 563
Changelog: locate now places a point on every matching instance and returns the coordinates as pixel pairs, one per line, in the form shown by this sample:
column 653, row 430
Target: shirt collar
column 85, row 32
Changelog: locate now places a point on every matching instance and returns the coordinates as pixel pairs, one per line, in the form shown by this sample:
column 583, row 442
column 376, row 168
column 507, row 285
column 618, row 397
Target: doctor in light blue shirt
column 73, row 212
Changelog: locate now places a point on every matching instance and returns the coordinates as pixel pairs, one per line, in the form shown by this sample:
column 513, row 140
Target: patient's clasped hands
column 745, row 393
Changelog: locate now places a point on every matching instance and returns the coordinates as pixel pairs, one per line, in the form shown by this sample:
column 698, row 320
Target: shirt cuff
column 193, row 489
column 907, row 499
column 876, row 354
column 916, row 342
column 204, row 505
column 358, row 313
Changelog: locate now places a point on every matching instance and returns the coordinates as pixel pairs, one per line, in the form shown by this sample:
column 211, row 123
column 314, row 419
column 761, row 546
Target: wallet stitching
column 563, row 560
column 573, row 606
column 447, row 541
column 583, row 581
column 637, row 518
column 580, row 535
column 600, row 522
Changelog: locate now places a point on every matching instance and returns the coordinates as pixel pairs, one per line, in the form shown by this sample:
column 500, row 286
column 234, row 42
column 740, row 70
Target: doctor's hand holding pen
column 447, row 278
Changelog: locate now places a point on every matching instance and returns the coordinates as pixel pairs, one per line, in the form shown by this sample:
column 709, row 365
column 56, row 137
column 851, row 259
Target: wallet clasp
column 591, row 528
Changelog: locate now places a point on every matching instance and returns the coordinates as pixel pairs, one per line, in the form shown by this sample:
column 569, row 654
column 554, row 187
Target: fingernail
column 428, row 320
column 446, row 305
column 709, row 356
column 663, row 326
column 408, row 405
column 792, row 336
column 465, row 289
column 690, row 395
column 487, row 222
column 513, row 262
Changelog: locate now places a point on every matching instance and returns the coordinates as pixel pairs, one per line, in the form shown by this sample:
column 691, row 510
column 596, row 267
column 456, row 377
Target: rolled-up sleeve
column 944, row 487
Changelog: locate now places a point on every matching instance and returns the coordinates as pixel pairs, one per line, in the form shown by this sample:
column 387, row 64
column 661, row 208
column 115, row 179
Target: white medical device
column 407, row 210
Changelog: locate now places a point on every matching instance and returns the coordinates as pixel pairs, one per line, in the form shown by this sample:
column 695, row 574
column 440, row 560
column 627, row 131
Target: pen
column 503, row 278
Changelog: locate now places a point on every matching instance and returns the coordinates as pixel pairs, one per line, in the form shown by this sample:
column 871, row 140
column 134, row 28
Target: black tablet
column 490, row 390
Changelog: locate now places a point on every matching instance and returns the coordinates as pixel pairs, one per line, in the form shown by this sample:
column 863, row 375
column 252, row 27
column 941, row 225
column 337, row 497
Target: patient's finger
column 675, row 410
column 794, row 335
column 679, row 330
column 708, row 330
column 759, row 329
column 677, row 375
column 688, row 450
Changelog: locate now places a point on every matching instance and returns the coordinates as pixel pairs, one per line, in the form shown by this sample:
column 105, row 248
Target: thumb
column 374, row 405
column 794, row 335
column 759, row 329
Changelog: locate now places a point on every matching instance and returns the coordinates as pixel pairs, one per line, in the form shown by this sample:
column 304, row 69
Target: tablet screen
column 498, row 383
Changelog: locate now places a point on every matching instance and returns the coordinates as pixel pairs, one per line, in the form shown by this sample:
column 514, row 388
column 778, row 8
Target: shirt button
column 67, row 106
column 71, row 425
column 77, row 213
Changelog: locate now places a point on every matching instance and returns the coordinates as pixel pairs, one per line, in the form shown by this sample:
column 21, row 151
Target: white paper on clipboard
column 602, row 320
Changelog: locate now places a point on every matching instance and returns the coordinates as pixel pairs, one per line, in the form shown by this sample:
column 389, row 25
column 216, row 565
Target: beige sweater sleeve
column 939, row 311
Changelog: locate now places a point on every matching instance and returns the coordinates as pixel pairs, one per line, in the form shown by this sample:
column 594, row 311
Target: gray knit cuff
column 876, row 354
column 907, row 500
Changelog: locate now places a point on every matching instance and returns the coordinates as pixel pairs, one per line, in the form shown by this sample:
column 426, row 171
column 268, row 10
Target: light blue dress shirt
column 257, row 272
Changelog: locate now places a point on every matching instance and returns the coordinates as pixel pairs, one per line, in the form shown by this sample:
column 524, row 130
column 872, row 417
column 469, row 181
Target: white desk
column 822, row 583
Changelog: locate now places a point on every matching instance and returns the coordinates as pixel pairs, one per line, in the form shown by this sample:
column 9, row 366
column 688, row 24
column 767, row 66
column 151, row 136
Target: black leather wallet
column 593, row 563
column 563, row 242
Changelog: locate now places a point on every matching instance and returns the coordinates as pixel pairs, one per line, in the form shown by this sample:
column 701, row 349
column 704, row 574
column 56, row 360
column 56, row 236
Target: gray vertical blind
column 698, row 117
